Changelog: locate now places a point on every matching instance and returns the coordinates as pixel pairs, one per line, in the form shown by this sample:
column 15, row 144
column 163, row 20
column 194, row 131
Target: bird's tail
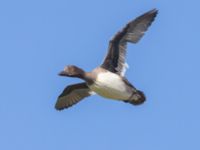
column 137, row 98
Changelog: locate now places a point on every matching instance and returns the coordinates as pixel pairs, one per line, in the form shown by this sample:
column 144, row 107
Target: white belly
column 111, row 86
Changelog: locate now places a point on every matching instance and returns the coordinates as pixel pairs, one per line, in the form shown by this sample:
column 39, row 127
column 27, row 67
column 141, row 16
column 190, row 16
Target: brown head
column 72, row 71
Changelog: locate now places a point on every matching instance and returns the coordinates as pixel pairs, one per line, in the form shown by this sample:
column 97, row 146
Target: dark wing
column 71, row 95
column 132, row 32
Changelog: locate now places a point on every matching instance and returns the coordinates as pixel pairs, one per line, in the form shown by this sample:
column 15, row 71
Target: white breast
column 110, row 85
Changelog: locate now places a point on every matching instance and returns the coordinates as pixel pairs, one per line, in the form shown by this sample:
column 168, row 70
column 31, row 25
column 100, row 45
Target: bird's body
column 107, row 80
column 111, row 85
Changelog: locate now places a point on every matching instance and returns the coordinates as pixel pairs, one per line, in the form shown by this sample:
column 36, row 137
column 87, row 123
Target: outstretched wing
column 132, row 32
column 71, row 95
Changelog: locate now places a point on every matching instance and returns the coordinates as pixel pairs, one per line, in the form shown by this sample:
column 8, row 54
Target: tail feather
column 137, row 98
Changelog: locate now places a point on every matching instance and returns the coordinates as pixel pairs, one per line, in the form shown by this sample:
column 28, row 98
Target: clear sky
column 39, row 37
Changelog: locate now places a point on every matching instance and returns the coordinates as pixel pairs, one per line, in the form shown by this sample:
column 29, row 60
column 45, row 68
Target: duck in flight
column 107, row 80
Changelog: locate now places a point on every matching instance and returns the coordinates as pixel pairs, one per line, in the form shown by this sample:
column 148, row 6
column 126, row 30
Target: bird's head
column 72, row 71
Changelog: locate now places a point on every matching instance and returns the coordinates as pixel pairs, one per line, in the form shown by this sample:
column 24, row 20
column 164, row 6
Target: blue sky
column 38, row 38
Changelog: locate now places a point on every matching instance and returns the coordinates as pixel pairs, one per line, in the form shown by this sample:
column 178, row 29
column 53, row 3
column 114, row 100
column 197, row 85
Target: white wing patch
column 92, row 93
column 125, row 67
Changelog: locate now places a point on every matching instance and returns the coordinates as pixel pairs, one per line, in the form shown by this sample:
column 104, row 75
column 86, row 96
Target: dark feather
column 132, row 32
column 71, row 95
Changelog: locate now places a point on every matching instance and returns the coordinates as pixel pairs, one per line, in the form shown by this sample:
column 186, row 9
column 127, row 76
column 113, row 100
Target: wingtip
column 154, row 11
column 150, row 14
column 57, row 108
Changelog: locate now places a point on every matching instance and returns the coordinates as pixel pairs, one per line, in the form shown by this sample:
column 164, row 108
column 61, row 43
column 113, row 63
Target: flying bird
column 108, row 80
